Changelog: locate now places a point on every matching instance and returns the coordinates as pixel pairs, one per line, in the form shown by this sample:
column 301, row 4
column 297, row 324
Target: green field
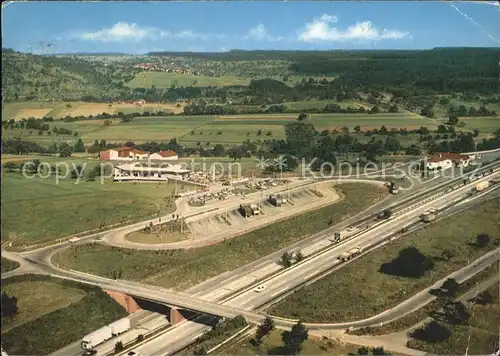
column 271, row 343
column 181, row 269
column 8, row 265
column 426, row 311
column 39, row 210
column 53, row 313
column 320, row 104
column 162, row 80
column 485, row 125
column 228, row 130
column 359, row 290
column 59, row 109
column 480, row 337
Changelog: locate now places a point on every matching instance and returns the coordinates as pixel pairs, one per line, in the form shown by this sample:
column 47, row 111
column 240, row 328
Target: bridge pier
column 175, row 316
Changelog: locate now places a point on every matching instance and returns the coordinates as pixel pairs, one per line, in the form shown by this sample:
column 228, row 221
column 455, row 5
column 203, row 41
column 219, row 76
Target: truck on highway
column 428, row 216
column 348, row 255
column 341, row 235
column 97, row 337
column 482, row 186
column 120, row 326
column 393, row 188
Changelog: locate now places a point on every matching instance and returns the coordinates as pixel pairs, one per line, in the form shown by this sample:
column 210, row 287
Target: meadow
column 228, row 130
column 337, row 297
column 479, row 337
column 69, row 310
column 40, row 210
column 163, row 80
column 59, row 109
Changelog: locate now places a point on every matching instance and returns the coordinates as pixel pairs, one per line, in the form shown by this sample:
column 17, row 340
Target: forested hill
column 30, row 77
column 441, row 70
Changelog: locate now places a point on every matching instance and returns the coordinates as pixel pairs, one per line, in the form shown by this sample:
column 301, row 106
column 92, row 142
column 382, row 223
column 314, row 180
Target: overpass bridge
column 173, row 299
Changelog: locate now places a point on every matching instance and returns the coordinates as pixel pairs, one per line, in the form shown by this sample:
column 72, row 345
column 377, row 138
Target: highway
column 214, row 290
column 288, row 280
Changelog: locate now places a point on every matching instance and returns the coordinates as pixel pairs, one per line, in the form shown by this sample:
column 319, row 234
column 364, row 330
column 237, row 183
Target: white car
column 74, row 239
column 259, row 288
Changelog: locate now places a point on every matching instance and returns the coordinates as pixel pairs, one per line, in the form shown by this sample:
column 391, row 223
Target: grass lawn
column 181, row 269
column 482, row 330
column 359, row 290
column 39, row 210
column 272, row 342
column 165, row 233
column 423, row 313
column 53, row 313
column 8, row 265
column 320, row 104
column 162, row 80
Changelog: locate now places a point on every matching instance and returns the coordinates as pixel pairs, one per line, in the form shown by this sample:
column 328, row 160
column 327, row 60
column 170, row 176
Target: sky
column 141, row 27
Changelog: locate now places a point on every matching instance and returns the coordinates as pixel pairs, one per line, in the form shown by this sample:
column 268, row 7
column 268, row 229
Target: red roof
column 123, row 148
column 137, row 151
column 439, row 157
column 104, row 155
column 168, row 153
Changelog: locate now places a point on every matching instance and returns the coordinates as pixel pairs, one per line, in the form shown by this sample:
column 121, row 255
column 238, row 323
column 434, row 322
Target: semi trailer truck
column 482, row 186
column 105, row 333
column 97, row 337
column 348, row 255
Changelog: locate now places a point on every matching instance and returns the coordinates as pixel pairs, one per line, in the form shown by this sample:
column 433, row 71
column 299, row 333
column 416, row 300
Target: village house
column 130, row 154
column 123, row 154
column 164, row 156
column 447, row 160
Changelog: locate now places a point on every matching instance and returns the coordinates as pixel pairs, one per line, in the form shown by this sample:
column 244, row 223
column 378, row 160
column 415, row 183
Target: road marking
column 279, row 292
column 312, row 274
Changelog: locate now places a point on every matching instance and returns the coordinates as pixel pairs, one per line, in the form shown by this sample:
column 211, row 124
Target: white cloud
column 322, row 29
column 259, row 33
column 123, row 31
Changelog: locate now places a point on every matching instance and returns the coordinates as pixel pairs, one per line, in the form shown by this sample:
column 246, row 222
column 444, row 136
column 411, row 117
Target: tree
column 79, row 146
column 455, row 312
column 140, row 338
column 447, row 255
column 119, row 347
column 387, row 213
column 379, row 351
column 363, row 350
column 263, row 329
column 219, row 150
column 299, row 256
column 476, row 132
column 286, row 260
column 451, row 287
column 410, row 263
column 482, row 240
column 431, row 332
column 11, row 166
column 453, row 120
column 302, row 116
column 9, row 305
column 484, row 298
column 65, row 150
column 294, row 338
column 357, row 129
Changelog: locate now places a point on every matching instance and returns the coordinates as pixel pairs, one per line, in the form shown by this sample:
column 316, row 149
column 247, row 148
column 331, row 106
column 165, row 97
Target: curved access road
column 117, row 237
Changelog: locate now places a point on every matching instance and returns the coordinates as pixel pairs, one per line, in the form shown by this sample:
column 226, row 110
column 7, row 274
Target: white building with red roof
column 447, row 160
column 168, row 155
